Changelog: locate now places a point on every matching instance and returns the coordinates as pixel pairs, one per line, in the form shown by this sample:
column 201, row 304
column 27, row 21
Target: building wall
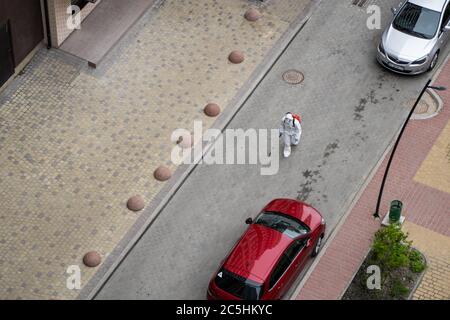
column 58, row 17
column 26, row 25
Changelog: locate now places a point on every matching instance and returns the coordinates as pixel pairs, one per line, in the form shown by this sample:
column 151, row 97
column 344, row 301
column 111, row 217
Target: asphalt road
column 351, row 110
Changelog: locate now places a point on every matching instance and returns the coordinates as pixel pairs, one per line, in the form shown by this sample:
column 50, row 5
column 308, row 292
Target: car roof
column 436, row 5
column 256, row 252
column 296, row 209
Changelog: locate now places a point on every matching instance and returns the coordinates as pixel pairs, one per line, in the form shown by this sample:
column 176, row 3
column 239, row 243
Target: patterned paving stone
column 75, row 143
column 435, row 170
column 435, row 284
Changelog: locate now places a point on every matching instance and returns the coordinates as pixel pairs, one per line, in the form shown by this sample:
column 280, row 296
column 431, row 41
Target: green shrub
column 416, row 263
column 398, row 290
column 391, row 249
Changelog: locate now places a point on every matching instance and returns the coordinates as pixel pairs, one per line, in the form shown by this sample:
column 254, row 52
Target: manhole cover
column 293, row 77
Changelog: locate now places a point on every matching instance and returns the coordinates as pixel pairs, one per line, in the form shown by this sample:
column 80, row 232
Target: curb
column 419, row 281
column 434, row 95
column 437, row 99
column 160, row 201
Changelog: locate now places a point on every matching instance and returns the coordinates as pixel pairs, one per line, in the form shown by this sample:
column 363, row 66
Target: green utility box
column 395, row 211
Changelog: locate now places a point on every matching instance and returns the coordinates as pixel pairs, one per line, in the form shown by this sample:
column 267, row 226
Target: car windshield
column 238, row 286
column 417, row 21
column 282, row 223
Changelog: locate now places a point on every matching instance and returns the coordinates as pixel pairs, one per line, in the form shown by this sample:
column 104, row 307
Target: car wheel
column 317, row 247
column 434, row 61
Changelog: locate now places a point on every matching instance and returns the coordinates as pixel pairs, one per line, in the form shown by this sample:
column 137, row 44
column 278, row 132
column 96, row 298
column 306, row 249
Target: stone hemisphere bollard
column 252, row 14
column 136, row 203
column 212, row 110
column 92, row 259
column 236, row 57
column 162, row 173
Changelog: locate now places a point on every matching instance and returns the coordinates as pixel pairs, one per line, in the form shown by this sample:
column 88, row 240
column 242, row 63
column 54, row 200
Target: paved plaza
column 76, row 143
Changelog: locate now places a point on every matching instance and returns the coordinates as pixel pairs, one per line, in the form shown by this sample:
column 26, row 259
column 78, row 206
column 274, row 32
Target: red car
column 270, row 255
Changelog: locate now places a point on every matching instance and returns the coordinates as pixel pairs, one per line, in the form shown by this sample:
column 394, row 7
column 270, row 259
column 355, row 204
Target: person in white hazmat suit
column 290, row 132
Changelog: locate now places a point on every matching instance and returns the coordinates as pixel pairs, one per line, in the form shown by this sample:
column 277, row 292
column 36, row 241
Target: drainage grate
column 293, row 76
column 359, row 3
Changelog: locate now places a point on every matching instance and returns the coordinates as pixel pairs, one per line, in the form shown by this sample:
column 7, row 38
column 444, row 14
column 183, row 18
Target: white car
column 412, row 42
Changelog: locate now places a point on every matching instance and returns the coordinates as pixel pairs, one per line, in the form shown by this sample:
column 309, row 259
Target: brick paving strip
column 77, row 143
column 419, row 177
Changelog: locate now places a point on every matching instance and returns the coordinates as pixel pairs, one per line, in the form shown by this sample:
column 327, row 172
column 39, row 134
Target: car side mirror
column 309, row 242
column 447, row 28
column 249, row 221
column 394, row 10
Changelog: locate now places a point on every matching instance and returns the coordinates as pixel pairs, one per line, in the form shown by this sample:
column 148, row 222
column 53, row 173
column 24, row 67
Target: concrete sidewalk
column 420, row 178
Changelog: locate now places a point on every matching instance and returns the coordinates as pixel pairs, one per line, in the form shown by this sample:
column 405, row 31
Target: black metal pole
column 380, row 194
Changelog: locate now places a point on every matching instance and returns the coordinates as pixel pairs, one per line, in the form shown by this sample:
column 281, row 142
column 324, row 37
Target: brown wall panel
column 26, row 25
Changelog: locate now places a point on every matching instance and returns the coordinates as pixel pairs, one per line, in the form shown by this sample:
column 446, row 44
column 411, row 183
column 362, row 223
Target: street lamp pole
column 380, row 194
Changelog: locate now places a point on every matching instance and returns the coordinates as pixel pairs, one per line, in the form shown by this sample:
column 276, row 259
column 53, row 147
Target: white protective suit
column 290, row 132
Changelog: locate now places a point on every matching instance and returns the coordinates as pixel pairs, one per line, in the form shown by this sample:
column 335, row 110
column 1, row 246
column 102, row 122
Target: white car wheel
column 317, row 247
